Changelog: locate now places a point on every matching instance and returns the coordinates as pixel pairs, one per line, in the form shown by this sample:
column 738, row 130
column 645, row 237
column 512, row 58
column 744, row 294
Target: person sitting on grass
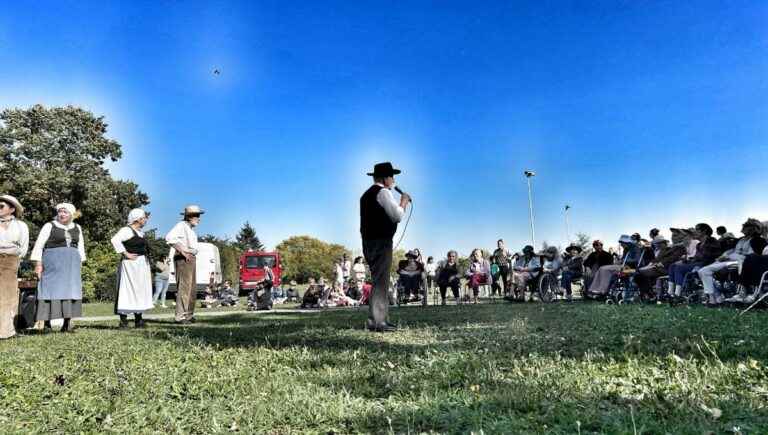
column 227, row 295
column 479, row 272
column 526, row 269
column 261, row 296
column 210, row 299
column 312, row 295
column 292, row 294
column 573, row 268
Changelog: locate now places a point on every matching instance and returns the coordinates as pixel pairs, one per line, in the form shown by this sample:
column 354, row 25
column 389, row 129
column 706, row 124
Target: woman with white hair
column 14, row 242
column 58, row 255
column 134, row 277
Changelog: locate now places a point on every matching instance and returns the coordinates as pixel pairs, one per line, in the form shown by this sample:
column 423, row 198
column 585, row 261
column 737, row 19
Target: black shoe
column 191, row 320
column 139, row 322
column 123, row 322
column 67, row 327
column 383, row 327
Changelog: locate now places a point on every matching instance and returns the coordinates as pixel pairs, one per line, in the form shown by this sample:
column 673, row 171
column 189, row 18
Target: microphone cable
column 407, row 221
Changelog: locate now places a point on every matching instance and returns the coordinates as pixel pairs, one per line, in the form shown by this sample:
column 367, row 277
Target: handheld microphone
column 398, row 190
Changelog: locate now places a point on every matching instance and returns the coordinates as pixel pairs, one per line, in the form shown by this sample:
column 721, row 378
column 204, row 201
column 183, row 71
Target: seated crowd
column 659, row 269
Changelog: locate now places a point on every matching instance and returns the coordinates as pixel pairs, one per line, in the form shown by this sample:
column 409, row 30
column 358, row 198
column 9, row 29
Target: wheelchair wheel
column 548, row 287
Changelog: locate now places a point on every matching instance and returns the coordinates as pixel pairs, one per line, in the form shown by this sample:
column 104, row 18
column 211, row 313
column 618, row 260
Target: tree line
column 54, row 154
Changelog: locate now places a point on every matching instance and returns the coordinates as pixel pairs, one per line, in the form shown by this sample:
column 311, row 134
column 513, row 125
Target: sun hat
column 135, row 215
column 15, row 203
column 192, row 209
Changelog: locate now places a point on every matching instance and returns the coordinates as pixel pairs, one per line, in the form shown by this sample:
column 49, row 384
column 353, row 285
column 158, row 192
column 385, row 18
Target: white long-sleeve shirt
column 182, row 234
column 14, row 240
column 125, row 233
column 45, row 233
column 392, row 207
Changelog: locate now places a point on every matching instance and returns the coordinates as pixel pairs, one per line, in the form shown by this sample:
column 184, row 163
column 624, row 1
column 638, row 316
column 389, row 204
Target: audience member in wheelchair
column 647, row 275
column 633, row 252
column 525, row 271
column 503, row 259
column 752, row 270
column 573, row 268
column 706, row 252
column 479, row 272
column 411, row 276
column 553, row 262
column 448, row 275
column 596, row 259
column 751, row 243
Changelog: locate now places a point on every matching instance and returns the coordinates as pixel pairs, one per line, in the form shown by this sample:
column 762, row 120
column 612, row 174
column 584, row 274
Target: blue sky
column 637, row 114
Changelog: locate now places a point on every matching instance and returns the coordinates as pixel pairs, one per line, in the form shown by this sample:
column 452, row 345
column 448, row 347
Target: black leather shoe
column 385, row 327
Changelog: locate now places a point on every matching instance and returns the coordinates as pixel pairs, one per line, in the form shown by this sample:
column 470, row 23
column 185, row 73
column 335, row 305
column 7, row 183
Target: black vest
column 136, row 244
column 375, row 223
column 58, row 237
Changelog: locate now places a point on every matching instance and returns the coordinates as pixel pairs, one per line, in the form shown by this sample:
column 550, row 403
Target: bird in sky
column 216, row 71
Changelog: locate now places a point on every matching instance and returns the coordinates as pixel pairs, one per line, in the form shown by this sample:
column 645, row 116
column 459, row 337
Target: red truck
column 252, row 268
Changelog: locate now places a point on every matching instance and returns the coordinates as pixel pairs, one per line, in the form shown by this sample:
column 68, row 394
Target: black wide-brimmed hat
column 383, row 170
column 571, row 248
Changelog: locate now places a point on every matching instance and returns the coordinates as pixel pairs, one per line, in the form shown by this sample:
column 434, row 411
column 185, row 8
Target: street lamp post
column 528, row 176
column 567, row 223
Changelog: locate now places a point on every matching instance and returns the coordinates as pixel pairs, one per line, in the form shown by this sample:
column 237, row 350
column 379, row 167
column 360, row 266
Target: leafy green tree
column 247, row 238
column 305, row 257
column 582, row 241
column 51, row 155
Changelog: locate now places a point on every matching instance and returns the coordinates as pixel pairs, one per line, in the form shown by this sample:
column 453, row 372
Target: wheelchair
column 405, row 288
column 726, row 282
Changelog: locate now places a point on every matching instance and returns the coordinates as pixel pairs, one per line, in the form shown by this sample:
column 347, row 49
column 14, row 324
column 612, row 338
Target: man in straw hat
column 183, row 241
column 379, row 216
column 14, row 243
column 58, row 255
column 134, row 284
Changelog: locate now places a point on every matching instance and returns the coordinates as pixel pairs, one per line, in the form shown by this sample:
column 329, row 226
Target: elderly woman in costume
column 14, row 243
column 134, row 284
column 58, row 255
column 183, row 241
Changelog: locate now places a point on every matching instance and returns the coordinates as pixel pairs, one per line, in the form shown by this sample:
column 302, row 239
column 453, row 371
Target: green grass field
column 496, row 368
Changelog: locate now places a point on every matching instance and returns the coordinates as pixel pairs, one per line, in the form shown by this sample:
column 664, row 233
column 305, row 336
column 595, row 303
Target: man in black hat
column 379, row 216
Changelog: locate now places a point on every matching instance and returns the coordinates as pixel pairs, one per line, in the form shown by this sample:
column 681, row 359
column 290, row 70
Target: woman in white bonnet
column 134, row 277
column 58, row 255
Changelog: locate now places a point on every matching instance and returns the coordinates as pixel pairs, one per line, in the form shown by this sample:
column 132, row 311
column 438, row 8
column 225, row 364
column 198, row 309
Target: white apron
column 134, row 286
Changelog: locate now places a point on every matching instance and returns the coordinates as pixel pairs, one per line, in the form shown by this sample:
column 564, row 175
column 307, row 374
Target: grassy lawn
column 97, row 309
column 498, row 368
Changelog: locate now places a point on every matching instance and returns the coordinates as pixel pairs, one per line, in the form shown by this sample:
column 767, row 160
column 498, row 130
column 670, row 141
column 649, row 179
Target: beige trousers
column 9, row 294
column 186, row 289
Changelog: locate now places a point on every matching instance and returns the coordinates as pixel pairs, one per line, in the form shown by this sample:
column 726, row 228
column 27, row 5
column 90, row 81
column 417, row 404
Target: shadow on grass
column 568, row 331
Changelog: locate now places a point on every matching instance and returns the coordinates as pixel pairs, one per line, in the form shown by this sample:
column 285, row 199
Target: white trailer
column 208, row 263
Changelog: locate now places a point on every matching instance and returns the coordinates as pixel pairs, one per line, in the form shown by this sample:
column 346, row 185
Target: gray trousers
column 378, row 255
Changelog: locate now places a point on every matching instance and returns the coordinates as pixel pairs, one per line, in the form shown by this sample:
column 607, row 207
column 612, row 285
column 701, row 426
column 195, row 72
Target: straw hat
column 15, row 203
column 192, row 209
